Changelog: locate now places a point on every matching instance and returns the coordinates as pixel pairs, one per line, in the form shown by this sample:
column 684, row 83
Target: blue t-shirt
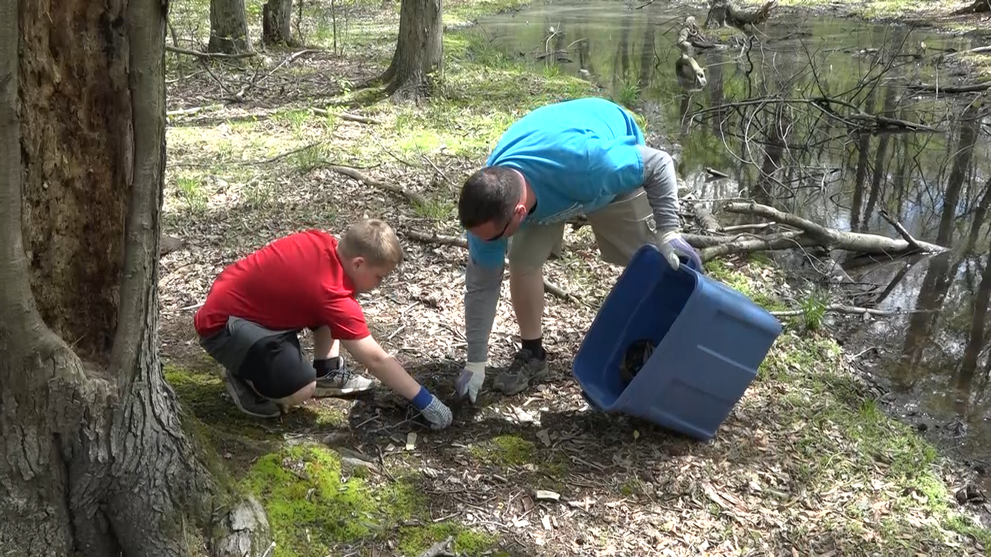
column 577, row 156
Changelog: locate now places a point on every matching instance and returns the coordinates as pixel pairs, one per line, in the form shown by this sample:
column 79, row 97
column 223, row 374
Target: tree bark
column 228, row 27
column 275, row 22
column 419, row 49
column 95, row 460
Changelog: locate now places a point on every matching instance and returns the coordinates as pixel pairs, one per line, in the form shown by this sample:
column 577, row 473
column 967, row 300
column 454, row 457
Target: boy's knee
column 298, row 397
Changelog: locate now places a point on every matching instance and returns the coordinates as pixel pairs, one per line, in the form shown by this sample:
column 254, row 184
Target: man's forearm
column 661, row 185
column 481, row 300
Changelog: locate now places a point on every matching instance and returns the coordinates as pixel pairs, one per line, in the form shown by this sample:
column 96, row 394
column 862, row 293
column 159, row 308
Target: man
column 255, row 308
column 584, row 156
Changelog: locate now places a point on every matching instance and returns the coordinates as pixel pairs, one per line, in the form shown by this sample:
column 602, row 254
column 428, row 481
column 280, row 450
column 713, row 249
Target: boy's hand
column 470, row 380
column 438, row 414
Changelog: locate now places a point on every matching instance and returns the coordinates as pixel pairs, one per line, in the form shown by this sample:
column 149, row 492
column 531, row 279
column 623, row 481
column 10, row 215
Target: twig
column 283, row 155
column 413, row 197
column 346, row 116
column 851, row 310
column 204, row 55
column 269, row 550
column 462, row 243
column 901, row 230
column 439, row 549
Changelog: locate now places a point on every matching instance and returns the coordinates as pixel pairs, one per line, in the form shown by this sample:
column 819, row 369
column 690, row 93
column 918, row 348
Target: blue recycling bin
column 710, row 340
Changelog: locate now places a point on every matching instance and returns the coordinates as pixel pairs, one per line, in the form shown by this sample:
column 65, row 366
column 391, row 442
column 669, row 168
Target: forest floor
column 806, row 463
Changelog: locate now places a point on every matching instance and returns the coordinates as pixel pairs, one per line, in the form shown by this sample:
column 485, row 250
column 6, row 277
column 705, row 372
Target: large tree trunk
column 94, row 459
column 275, row 22
column 419, row 49
column 229, row 27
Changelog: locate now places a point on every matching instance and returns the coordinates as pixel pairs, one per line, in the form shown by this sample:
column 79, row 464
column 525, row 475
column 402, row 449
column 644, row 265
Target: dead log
column 704, row 217
column 834, row 239
column 435, row 238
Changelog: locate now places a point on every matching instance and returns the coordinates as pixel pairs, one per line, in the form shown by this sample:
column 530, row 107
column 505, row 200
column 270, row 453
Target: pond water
column 804, row 158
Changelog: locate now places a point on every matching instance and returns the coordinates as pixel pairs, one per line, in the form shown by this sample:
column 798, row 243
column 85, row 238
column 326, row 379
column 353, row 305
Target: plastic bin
column 710, row 341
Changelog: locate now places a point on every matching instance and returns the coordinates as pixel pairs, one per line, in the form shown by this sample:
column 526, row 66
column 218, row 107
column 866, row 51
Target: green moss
column 204, row 395
column 415, row 539
column 505, row 450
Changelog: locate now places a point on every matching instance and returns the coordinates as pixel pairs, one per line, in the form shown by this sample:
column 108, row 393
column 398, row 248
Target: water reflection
column 757, row 121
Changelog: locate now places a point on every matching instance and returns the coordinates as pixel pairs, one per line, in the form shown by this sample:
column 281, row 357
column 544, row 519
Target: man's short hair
column 490, row 194
column 374, row 240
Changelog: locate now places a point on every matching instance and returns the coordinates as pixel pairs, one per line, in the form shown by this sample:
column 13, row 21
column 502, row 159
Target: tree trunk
column 229, row 27
column 95, row 461
column 419, row 49
column 275, row 22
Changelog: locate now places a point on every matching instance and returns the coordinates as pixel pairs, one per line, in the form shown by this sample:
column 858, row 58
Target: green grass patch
column 312, row 506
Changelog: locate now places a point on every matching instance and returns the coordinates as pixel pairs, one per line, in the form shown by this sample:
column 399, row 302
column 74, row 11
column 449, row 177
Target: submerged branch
column 849, row 310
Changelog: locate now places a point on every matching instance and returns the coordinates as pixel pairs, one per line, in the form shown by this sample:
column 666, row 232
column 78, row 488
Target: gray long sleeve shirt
column 483, row 283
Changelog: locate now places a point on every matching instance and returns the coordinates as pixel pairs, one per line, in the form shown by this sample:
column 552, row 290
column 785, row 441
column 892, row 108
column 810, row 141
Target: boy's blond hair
column 374, row 240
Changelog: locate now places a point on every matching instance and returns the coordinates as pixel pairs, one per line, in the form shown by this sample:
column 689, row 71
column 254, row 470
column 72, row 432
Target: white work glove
column 438, row 414
column 671, row 244
column 470, row 380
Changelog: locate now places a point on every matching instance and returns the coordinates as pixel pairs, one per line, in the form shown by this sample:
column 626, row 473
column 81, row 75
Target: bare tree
column 95, row 459
column 229, row 27
column 975, row 344
column 275, row 22
column 419, row 49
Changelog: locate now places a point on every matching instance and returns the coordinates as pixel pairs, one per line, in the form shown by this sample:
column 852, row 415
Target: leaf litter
column 789, row 472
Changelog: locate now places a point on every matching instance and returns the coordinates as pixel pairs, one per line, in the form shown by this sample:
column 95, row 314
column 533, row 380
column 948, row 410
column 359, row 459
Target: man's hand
column 671, row 244
column 438, row 414
column 470, row 380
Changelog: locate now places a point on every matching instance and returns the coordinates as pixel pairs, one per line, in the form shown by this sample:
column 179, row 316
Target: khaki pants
column 621, row 228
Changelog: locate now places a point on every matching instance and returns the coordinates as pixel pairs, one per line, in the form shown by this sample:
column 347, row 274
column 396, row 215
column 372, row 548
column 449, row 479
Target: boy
column 256, row 306
column 564, row 159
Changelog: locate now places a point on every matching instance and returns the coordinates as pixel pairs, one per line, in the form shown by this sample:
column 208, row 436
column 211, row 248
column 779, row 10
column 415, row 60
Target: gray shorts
column 620, row 228
column 272, row 361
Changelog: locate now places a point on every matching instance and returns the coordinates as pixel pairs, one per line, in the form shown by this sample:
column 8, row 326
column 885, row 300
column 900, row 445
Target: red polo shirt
column 295, row 282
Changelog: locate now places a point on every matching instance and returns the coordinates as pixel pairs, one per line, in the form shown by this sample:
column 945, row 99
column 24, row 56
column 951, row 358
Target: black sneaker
column 248, row 401
column 524, row 370
column 342, row 381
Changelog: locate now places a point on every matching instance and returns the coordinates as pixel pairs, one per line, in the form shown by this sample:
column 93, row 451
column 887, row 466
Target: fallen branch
column 849, row 310
column 950, row 89
column 901, row 230
column 413, row 197
column 439, row 549
column 346, row 116
column 462, row 243
column 830, row 238
column 199, row 54
column 785, row 240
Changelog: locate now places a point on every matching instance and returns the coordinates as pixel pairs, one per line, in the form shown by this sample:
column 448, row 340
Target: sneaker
column 524, row 369
column 342, row 382
column 248, row 401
